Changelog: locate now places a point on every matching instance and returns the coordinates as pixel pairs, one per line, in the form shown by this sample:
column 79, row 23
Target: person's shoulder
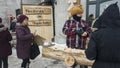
column 99, row 33
column 18, row 26
column 1, row 25
column 83, row 21
column 68, row 20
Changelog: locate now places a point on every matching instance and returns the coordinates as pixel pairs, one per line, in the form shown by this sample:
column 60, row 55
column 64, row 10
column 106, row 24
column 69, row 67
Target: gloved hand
column 84, row 34
column 79, row 32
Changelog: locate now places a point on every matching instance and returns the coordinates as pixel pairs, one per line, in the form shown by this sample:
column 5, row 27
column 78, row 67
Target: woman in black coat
column 5, row 47
column 104, row 45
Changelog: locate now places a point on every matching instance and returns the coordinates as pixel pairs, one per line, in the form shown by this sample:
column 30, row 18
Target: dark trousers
column 4, row 61
column 81, row 66
column 25, row 63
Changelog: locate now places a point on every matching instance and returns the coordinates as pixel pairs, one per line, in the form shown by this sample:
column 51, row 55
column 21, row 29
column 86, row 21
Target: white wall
column 9, row 7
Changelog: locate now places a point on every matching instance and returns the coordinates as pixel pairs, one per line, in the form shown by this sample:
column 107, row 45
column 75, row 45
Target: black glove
column 79, row 32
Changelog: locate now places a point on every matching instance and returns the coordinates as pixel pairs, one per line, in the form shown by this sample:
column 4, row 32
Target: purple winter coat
column 5, row 38
column 24, row 40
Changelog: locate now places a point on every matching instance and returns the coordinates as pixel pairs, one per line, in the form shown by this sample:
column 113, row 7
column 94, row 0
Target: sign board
column 38, row 15
column 40, row 20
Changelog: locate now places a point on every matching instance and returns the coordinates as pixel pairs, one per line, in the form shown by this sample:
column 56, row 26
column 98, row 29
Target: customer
column 104, row 45
column 24, row 40
column 5, row 47
column 91, row 19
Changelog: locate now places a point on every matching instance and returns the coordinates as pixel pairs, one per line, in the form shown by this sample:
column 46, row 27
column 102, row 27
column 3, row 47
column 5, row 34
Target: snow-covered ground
column 39, row 62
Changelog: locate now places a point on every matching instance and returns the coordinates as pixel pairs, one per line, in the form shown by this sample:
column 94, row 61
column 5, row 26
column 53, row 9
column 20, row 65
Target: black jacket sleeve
column 91, row 51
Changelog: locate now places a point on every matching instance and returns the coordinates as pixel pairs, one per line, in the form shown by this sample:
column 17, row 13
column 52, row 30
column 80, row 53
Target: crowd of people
column 24, row 41
column 103, row 46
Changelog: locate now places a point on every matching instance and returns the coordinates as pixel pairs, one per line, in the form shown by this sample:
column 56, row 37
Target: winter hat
column 77, row 9
column 0, row 20
column 21, row 18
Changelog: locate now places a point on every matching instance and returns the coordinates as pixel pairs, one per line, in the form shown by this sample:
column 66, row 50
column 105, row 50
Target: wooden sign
column 40, row 20
column 38, row 15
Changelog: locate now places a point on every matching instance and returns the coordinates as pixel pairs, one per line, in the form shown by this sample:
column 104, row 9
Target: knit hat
column 77, row 9
column 21, row 18
column 0, row 20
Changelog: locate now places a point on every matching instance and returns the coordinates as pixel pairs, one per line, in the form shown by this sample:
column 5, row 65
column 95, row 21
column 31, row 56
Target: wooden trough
column 61, row 53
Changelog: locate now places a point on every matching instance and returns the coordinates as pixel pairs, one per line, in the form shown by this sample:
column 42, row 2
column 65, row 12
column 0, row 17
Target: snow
column 39, row 62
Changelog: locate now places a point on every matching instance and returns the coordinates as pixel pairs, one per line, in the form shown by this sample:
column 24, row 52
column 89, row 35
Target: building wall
column 61, row 13
column 102, row 6
column 9, row 8
column 31, row 1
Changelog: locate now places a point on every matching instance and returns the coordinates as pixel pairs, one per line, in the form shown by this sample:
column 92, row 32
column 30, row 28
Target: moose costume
column 76, row 29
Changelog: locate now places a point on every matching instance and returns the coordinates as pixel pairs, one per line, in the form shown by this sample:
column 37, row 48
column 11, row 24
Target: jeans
column 4, row 61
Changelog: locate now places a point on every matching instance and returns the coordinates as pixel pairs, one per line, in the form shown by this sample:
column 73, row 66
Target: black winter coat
column 104, row 44
column 5, row 38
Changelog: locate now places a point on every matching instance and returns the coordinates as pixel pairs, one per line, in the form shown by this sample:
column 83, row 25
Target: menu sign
column 38, row 15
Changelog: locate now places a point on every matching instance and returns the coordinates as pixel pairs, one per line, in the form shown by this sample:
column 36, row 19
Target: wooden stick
column 78, row 2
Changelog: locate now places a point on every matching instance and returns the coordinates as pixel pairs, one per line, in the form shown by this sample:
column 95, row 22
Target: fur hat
column 21, row 18
column 77, row 9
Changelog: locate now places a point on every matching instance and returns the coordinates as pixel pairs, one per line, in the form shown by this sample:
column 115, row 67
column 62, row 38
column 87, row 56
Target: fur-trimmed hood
column 2, row 27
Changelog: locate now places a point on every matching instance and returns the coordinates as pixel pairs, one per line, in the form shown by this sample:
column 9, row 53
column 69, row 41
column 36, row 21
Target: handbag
column 34, row 51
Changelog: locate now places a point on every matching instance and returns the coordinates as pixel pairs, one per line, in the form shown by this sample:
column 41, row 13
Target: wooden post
column 78, row 2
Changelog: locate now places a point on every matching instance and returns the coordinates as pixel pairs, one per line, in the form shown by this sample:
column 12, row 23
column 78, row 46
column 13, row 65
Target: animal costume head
column 77, row 9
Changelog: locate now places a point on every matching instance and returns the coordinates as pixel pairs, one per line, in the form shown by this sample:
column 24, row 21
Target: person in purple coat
column 5, row 47
column 24, row 40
